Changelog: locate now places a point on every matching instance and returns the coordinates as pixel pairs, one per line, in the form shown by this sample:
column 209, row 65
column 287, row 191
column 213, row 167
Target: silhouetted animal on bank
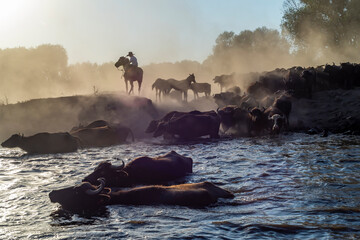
column 132, row 73
column 161, row 86
column 86, row 196
column 43, row 143
column 201, row 88
column 143, row 170
column 182, row 85
column 225, row 81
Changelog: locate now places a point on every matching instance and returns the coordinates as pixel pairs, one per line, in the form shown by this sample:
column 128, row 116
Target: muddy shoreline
column 335, row 111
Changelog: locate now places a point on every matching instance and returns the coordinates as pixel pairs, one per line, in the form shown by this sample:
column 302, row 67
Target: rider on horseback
column 133, row 60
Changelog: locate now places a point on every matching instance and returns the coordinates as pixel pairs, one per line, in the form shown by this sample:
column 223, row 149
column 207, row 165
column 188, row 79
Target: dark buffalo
column 143, row 170
column 278, row 114
column 348, row 75
column 283, row 103
column 154, row 124
column 258, row 121
column 95, row 124
column 300, row 86
column 227, row 98
column 236, row 118
column 102, row 134
column 43, row 143
column 86, row 196
column 268, row 83
column 190, row 126
column 335, row 76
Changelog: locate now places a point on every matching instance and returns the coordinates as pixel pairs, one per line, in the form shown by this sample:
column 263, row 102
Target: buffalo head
column 152, row 126
column 82, row 197
column 277, row 122
column 13, row 141
column 106, row 170
column 160, row 130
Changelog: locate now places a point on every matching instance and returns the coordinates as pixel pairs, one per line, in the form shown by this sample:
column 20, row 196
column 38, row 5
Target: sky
column 156, row 31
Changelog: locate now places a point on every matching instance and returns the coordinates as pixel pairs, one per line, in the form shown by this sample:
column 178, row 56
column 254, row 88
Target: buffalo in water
column 90, row 197
column 102, row 134
column 43, row 143
column 143, row 170
column 235, row 118
column 188, row 125
column 278, row 114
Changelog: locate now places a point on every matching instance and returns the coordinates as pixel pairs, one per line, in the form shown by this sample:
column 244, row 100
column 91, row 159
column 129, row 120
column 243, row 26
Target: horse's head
column 191, row 78
column 122, row 62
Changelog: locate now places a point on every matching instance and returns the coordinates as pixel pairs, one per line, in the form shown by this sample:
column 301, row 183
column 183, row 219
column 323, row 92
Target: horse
column 201, row 88
column 132, row 73
column 161, row 86
column 182, row 85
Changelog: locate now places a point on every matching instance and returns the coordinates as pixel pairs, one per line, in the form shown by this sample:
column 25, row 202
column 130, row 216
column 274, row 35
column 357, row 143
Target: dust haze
column 43, row 73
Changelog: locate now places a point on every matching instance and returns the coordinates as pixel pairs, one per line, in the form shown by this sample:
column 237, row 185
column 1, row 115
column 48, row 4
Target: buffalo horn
column 119, row 167
column 99, row 189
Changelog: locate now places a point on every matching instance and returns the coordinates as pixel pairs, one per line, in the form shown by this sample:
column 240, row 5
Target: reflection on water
column 291, row 186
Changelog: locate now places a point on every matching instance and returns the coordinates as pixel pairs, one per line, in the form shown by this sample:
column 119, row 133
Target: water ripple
column 287, row 187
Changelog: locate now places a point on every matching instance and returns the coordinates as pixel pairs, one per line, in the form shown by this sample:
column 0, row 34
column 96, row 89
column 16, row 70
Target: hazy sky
column 155, row 30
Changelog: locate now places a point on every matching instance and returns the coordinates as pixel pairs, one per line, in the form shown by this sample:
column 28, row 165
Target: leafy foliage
column 323, row 26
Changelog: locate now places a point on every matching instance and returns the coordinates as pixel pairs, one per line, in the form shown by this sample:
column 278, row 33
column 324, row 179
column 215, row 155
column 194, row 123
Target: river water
column 293, row 186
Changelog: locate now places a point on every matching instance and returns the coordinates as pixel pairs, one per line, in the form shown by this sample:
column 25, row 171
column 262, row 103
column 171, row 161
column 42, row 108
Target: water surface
column 291, row 186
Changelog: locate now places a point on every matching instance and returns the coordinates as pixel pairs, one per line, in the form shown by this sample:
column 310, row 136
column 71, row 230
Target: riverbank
column 335, row 111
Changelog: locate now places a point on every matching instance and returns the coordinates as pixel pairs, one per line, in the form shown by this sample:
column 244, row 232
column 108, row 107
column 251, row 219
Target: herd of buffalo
column 263, row 108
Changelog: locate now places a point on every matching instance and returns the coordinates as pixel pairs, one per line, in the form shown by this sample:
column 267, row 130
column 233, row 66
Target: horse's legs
column 126, row 84
column 139, row 86
column 131, row 87
column 185, row 96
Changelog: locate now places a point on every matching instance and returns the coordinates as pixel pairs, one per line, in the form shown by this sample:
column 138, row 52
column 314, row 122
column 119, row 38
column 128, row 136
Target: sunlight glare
column 14, row 12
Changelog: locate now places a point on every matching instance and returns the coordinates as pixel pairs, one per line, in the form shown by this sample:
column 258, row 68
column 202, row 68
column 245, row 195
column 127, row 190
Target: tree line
column 313, row 32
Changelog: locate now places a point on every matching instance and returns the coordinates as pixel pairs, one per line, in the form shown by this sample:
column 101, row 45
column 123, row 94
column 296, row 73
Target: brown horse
column 132, row 73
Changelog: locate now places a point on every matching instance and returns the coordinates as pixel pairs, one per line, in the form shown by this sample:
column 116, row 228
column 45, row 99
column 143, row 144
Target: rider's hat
column 130, row 54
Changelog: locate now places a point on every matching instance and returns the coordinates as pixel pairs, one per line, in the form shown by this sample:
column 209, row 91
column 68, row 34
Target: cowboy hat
column 129, row 54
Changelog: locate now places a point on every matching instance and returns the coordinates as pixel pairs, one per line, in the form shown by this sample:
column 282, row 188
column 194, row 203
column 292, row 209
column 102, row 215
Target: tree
column 247, row 51
column 323, row 28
